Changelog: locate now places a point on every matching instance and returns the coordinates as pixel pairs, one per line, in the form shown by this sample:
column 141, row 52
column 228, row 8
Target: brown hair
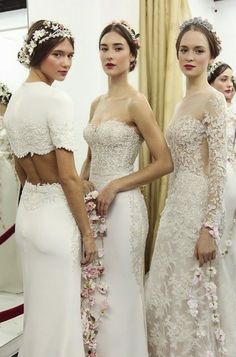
column 213, row 41
column 122, row 31
column 217, row 72
column 42, row 50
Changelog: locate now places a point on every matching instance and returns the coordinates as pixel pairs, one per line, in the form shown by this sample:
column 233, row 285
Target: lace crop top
column 39, row 119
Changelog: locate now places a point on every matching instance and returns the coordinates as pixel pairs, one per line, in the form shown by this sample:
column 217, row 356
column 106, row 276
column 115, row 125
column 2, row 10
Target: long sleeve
column 215, row 124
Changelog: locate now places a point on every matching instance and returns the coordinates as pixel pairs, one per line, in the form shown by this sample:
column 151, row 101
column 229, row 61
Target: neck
column 35, row 75
column 118, row 86
column 196, row 84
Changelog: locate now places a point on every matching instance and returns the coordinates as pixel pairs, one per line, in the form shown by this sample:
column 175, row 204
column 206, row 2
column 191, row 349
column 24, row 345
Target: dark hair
column 213, row 41
column 217, row 72
column 122, row 31
column 42, row 50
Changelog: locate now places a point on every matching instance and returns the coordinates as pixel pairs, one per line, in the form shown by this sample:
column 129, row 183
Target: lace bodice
column 231, row 136
column 38, row 119
column 114, row 146
column 198, row 145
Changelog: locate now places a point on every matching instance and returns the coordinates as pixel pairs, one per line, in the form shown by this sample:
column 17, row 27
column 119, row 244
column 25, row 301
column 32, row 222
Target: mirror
column 13, row 27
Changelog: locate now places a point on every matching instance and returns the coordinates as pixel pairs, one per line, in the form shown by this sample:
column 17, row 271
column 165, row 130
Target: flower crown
column 135, row 36
column 205, row 23
column 214, row 66
column 49, row 29
column 5, row 94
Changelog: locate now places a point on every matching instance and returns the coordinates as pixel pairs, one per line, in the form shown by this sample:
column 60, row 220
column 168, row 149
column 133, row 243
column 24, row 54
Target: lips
column 110, row 65
column 63, row 73
column 189, row 66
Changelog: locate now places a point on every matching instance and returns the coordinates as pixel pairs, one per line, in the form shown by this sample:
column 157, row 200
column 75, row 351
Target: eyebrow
column 184, row 46
column 114, row 44
column 61, row 51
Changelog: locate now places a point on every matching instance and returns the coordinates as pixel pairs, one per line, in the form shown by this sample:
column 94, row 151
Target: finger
column 201, row 260
column 195, row 252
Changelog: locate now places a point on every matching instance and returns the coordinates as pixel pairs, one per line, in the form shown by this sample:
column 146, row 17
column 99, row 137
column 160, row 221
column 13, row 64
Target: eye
column 200, row 51
column 117, row 49
column 183, row 50
column 103, row 49
column 71, row 55
column 57, row 54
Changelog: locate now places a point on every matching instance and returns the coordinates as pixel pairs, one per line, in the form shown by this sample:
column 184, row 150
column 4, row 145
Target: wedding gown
column 115, row 146
column 10, row 269
column 179, row 316
column 39, row 120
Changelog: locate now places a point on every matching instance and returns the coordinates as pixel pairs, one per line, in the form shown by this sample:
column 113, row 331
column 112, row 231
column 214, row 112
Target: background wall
column 86, row 19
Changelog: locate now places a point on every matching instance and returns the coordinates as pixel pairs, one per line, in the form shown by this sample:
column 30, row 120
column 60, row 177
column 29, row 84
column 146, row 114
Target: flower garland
column 94, row 293
column 5, row 94
column 211, row 295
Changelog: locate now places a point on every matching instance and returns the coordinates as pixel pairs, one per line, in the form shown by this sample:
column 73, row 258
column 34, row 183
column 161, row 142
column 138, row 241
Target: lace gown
column 114, row 146
column 196, row 137
column 39, row 119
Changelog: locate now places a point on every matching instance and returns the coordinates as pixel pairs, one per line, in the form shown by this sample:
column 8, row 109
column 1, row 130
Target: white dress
column 39, row 118
column 115, row 146
column 10, row 269
column 175, row 292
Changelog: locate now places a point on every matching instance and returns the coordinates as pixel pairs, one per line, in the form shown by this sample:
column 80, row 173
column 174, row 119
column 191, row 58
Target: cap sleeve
column 61, row 122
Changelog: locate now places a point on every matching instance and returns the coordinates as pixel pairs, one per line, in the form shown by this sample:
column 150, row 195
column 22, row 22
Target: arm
column 85, row 171
column 20, row 172
column 214, row 121
column 72, row 187
column 143, row 118
column 61, row 126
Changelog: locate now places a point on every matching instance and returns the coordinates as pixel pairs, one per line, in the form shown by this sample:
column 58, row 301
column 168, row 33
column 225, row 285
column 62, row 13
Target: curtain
column 162, row 83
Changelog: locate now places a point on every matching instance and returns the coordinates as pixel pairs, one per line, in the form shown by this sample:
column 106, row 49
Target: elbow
column 68, row 179
column 169, row 166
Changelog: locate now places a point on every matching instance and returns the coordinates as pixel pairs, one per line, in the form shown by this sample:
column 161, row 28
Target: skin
column 58, row 165
column 223, row 83
column 138, row 114
column 194, row 49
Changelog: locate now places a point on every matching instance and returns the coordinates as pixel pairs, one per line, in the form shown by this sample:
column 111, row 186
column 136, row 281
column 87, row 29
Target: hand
column 89, row 251
column 88, row 186
column 205, row 249
column 105, row 198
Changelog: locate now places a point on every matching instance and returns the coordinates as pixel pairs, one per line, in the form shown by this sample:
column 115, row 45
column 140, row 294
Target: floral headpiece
column 205, row 23
column 214, row 66
column 49, row 29
column 135, row 36
column 5, row 94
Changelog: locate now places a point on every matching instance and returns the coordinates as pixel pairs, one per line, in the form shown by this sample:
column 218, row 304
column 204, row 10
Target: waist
column 100, row 179
column 34, row 196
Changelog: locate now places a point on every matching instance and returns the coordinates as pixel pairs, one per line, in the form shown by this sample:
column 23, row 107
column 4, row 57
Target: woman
column 39, row 122
column 182, row 312
column 220, row 77
column 120, row 121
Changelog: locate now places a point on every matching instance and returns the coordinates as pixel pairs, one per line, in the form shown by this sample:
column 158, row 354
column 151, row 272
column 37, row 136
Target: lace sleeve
column 215, row 124
column 61, row 122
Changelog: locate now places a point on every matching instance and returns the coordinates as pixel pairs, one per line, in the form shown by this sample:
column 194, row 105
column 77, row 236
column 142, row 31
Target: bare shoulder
column 213, row 97
column 95, row 102
column 138, row 103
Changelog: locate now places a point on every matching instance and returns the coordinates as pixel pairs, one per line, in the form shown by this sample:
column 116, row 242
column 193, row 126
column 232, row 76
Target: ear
column 211, row 62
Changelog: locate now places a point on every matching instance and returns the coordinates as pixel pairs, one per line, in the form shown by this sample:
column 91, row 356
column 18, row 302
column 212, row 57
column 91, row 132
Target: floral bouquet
column 94, row 292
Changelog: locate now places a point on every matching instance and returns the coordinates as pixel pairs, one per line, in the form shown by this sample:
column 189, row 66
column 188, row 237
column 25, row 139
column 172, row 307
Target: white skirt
column 49, row 241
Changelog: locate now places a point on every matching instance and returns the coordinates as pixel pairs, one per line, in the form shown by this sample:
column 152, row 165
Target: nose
column 66, row 62
column 189, row 56
column 109, row 55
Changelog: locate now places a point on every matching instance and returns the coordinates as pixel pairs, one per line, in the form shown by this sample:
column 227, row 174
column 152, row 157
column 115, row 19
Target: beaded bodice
column 114, row 146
